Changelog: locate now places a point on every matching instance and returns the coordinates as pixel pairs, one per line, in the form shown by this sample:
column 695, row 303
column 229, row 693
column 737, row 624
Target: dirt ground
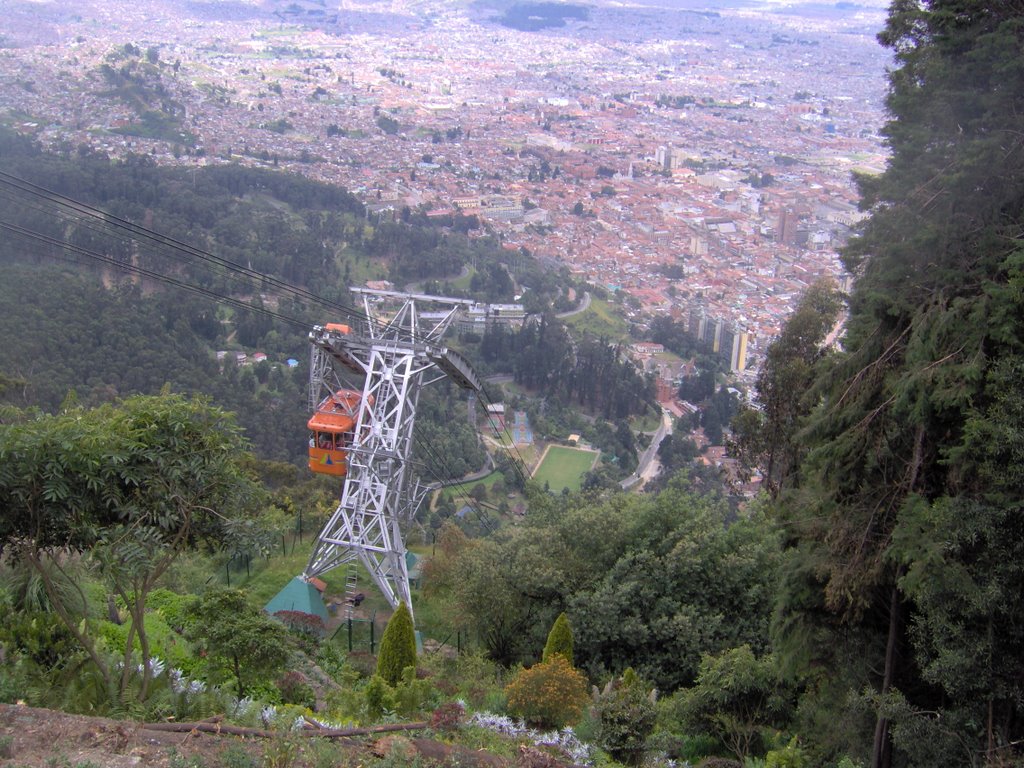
column 51, row 739
column 43, row 738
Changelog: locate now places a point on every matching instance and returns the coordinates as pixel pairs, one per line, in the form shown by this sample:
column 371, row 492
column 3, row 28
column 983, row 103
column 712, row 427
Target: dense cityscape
column 700, row 160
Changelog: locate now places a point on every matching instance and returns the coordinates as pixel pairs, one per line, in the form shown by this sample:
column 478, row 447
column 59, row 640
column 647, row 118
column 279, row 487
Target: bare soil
column 44, row 738
column 51, row 739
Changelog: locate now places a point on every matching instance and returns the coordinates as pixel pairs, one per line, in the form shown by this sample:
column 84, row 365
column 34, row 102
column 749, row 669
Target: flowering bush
column 564, row 739
column 550, row 694
column 295, row 689
column 308, row 624
column 447, row 716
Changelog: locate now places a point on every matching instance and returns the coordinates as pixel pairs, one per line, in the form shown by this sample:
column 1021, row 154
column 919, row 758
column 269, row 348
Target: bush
column 380, row 697
column 308, row 625
column 550, row 694
column 447, row 717
column 363, row 663
column 559, row 639
column 473, row 678
column 397, row 646
column 295, row 689
column 413, row 696
column 174, row 608
column 790, row 756
column 626, row 715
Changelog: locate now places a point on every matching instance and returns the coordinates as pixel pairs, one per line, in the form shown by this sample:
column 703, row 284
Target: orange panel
column 328, row 462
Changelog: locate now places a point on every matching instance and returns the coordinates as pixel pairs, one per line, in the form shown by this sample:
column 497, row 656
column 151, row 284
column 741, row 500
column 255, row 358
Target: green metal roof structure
column 298, row 595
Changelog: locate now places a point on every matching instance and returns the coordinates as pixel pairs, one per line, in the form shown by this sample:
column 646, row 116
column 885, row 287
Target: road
column 583, row 307
column 649, row 466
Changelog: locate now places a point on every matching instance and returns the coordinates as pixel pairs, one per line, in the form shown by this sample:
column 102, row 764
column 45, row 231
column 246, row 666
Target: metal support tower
column 394, row 351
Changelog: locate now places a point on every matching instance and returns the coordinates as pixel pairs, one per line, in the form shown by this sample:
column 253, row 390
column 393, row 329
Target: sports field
column 564, row 467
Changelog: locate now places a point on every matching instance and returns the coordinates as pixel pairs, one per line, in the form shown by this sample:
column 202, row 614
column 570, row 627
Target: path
column 649, row 466
column 583, row 307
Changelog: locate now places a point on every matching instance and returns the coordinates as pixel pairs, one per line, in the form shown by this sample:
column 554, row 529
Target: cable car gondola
column 331, row 430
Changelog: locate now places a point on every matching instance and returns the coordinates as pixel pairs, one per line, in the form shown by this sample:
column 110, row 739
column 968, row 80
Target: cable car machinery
column 373, row 439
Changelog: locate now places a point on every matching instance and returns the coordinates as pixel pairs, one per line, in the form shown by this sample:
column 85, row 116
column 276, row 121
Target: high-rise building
column 786, row 231
column 663, row 157
column 738, row 352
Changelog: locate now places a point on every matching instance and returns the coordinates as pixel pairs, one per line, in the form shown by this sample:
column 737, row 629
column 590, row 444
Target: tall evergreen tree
column 397, row 646
column 906, row 530
column 559, row 639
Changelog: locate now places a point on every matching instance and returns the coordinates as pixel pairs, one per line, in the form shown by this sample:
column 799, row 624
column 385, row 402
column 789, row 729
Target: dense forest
column 894, row 463
column 277, row 224
column 588, row 372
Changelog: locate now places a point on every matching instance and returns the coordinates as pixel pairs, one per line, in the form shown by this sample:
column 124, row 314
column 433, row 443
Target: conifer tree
column 397, row 646
column 904, row 527
column 559, row 639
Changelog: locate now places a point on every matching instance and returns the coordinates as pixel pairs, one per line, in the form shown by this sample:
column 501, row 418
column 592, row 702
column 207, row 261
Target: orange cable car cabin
column 331, row 429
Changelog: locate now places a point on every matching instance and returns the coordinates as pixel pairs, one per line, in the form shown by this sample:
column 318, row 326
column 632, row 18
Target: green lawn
column 602, row 318
column 564, row 468
column 464, row 489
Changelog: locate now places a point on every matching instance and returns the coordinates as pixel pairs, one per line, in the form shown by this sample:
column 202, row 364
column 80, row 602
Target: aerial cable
column 105, row 223
column 517, row 465
column 471, row 502
column 84, row 211
column 134, row 269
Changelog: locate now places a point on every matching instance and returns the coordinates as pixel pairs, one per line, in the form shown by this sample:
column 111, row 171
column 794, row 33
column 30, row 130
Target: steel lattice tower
column 394, row 351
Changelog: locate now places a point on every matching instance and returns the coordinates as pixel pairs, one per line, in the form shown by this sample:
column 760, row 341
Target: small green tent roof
column 298, row 595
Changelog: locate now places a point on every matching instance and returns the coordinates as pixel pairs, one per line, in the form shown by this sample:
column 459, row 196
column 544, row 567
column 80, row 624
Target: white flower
column 242, row 706
column 565, row 739
column 176, row 677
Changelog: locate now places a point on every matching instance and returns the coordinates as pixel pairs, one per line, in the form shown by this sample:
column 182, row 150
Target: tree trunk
column 35, row 560
column 881, row 754
column 990, row 726
column 238, row 677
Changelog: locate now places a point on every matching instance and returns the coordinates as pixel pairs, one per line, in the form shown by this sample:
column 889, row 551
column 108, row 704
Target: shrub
column 550, row 694
column 470, row 677
column 295, row 689
column 413, row 696
column 305, row 624
column 380, row 697
column 626, row 715
column 362, row 662
column 174, row 608
column 559, row 639
column 447, row 717
column 397, row 646
column 790, row 756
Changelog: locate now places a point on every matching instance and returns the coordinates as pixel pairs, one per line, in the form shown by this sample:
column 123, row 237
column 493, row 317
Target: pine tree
column 397, row 646
column 559, row 639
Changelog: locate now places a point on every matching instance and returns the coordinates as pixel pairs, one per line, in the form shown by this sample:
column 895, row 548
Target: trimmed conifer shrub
column 397, row 646
column 551, row 694
column 559, row 639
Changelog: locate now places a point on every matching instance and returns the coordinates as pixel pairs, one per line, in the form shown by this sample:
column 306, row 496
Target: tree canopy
column 133, row 484
column 903, row 516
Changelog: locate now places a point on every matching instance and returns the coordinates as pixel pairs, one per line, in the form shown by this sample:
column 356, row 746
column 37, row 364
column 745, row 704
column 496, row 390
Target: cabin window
column 325, row 440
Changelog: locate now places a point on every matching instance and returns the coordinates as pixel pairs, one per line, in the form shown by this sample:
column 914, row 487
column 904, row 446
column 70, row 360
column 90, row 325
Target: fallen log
column 324, row 733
